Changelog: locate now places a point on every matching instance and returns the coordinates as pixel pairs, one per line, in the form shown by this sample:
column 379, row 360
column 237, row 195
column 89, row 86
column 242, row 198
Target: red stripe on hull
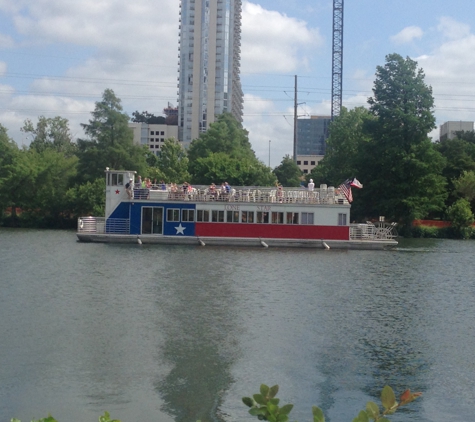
column 272, row 231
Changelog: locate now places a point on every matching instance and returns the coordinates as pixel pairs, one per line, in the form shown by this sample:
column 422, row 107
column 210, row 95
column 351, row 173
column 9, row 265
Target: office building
column 209, row 53
column 311, row 136
column 153, row 135
column 448, row 129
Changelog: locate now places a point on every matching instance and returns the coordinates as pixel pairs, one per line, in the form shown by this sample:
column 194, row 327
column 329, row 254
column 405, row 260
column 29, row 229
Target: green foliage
column 461, row 216
column 172, row 162
column 402, row 169
column 104, row 418
column 110, row 142
column 47, row 419
column 149, row 118
column 50, row 133
column 288, row 172
column 265, row 406
column 465, row 185
column 224, row 153
column 86, row 199
column 342, row 158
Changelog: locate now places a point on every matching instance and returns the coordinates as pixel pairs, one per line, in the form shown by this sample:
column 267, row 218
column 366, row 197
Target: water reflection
column 200, row 327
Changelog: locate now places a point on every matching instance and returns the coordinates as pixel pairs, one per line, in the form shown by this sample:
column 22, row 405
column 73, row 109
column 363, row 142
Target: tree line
column 405, row 175
column 386, row 146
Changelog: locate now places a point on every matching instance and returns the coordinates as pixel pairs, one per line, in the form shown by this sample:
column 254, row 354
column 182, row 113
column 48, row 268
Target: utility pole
column 295, row 120
column 269, row 152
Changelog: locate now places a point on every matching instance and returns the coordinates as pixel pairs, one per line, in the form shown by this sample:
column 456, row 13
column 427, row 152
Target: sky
column 58, row 56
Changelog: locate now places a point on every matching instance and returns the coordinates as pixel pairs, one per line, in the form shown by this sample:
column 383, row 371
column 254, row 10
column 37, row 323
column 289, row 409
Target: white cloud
column 407, row 35
column 274, row 42
column 449, row 70
column 452, row 29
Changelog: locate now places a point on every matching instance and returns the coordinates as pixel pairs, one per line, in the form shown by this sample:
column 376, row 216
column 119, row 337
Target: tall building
column 448, row 129
column 311, row 136
column 209, row 52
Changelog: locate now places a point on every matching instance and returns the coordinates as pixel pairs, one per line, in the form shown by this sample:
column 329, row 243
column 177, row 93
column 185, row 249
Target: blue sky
column 58, row 56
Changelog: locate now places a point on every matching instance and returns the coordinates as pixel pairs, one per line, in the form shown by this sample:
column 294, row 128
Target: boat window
column 202, row 215
column 187, row 215
column 173, row 214
column 247, row 216
column 114, row 179
column 342, row 219
column 277, row 217
column 120, row 179
column 307, row 218
column 217, row 216
column 232, row 216
column 292, row 218
column 262, row 217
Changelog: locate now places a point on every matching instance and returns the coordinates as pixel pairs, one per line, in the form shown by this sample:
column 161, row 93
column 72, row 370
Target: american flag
column 345, row 187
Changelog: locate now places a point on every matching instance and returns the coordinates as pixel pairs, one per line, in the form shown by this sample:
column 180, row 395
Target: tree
column 288, row 173
column 52, row 177
column 17, row 175
column 459, row 153
column 343, row 154
column 402, row 169
column 87, row 199
column 465, row 185
column 110, row 142
column 146, row 117
column 461, row 217
column 50, row 134
column 224, row 153
column 173, row 162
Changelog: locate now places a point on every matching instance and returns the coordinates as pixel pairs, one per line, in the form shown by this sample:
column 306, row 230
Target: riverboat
column 241, row 216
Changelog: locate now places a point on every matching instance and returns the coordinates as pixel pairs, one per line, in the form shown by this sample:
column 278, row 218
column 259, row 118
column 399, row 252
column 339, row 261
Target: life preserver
column 81, row 223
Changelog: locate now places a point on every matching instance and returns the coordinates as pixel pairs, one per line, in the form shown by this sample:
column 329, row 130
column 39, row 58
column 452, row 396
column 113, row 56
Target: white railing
column 100, row 225
column 245, row 194
column 371, row 231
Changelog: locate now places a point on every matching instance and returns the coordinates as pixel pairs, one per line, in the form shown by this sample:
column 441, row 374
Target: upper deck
column 264, row 195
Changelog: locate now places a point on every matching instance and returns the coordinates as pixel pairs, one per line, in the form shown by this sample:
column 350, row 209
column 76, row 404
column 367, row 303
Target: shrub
column 265, row 406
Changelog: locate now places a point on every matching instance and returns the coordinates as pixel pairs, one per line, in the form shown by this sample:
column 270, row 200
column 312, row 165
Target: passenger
column 280, row 193
column 212, row 191
column 148, row 183
column 138, row 183
column 129, row 188
column 311, row 185
column 174, row 188
column 227, row 187
column 163, row 185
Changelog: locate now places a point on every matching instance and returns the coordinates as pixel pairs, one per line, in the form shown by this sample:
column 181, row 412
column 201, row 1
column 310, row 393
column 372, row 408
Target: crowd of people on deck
column 186, row 188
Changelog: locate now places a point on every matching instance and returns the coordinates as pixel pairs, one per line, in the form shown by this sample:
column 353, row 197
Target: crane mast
column 337, row 58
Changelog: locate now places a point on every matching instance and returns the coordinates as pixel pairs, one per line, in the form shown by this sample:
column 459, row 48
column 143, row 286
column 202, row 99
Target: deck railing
column 373, row 231
column 245, row 194
column 99, row 225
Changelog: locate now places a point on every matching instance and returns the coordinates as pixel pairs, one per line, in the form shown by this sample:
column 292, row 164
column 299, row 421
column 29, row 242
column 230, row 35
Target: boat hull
column 238, row 241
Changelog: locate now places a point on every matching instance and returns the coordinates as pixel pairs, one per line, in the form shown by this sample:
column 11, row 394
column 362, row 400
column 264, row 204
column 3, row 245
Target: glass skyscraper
column 209, row 52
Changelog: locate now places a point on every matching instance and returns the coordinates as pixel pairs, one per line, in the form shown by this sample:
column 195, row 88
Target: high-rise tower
column 209, row 52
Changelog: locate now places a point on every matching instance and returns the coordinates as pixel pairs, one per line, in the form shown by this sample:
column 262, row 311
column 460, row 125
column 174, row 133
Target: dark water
column 153, row 333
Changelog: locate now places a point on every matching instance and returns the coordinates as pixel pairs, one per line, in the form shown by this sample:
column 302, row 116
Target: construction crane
column 337, row 58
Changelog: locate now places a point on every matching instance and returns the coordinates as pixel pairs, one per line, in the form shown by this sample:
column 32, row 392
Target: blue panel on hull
column 174, row 228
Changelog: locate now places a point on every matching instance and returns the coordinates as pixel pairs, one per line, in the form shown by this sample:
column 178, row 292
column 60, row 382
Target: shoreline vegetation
column 265, row 405
column 406, row 175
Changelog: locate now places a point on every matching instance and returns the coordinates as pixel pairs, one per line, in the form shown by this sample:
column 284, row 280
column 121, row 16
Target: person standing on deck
column 311, row 185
